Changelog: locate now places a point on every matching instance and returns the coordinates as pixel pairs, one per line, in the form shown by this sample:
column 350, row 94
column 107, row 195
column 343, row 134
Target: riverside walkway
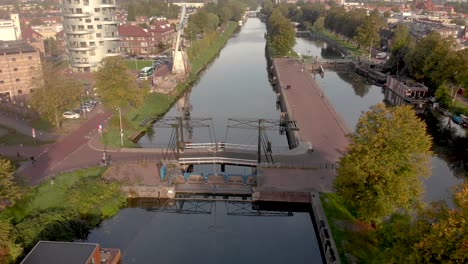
column 318, row 123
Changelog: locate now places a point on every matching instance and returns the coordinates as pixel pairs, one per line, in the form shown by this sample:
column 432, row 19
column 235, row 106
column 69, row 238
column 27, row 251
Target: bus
column 146, row 73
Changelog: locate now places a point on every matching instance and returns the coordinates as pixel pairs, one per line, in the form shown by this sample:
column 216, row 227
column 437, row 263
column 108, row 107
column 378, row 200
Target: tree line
column 281, row 33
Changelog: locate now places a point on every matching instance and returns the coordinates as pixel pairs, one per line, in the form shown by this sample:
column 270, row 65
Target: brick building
column 135, row 40
column 162, row 32
column 20, row 65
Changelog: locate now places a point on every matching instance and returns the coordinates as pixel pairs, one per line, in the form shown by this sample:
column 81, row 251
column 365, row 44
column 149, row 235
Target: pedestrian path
column 24, row 128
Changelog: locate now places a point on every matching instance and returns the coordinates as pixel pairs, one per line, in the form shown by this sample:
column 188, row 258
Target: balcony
column 111, row 37
column 68, row 14
column 79, row 32
column 83, row 64
column 80, row 48
column 108, row 3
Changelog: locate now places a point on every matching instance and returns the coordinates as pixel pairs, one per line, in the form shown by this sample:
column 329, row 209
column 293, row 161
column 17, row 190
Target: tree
column 381, row 172
column 281, row 32
column 438, row 234
column 54, row 92
column 368, row 31
column 416, row 59
column 131, row 12
column 116, row 85
column 443, row 95
column 319, row 24
column 50, row 46
column 9, row 251
column 9, row 191
column 267, row 7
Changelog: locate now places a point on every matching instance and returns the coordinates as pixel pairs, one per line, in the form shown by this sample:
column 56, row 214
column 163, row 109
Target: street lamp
column 121, row 130
column 83, row 110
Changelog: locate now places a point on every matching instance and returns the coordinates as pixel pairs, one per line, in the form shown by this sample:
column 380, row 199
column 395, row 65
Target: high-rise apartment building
column 90, row 32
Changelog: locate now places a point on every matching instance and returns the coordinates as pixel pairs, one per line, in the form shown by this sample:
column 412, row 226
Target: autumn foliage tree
column 381, row 172
column 281, row 32
column 438, row 234
column 116, row 85
column 54, row 92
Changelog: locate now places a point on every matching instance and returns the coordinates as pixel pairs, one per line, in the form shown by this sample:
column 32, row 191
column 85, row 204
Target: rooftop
column 132, row 31
column 60, row 252
column 15, row 47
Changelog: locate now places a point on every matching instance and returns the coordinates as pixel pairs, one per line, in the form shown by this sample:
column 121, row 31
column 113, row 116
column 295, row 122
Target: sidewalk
column 24, row 128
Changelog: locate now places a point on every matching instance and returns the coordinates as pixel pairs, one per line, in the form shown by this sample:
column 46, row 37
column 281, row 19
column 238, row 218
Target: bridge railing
column 217, row 160
column 300, row 164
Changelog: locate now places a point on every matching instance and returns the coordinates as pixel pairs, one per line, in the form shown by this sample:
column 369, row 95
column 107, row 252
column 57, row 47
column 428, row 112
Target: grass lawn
column 137, row 65
column 350, row 235
column 341, row 42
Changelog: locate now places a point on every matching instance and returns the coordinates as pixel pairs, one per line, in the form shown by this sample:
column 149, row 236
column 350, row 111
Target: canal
column 235, row 85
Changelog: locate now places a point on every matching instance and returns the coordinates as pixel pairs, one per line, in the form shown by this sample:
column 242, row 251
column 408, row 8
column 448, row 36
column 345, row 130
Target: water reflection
column 209, row 232
column 235, row 85
column 361, row 88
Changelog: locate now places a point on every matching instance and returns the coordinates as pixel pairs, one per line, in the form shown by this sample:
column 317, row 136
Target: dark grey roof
column 15, row 47
column 59, row 253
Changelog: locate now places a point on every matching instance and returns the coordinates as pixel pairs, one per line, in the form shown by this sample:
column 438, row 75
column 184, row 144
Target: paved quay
column 318, row 123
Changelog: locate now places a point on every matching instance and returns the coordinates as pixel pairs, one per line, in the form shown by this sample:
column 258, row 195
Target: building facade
column 20, row 65
column 402, row 91
column 135, row 40
column 90, row 32
column 162, row 32
column 10, row 28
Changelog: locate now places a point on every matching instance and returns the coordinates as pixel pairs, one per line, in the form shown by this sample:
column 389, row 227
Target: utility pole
column 121, row 129
column 370, row 50
column 259, row 149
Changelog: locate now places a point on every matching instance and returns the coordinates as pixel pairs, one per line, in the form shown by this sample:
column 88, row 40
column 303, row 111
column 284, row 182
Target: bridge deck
column 318, row 123
column 317, row 120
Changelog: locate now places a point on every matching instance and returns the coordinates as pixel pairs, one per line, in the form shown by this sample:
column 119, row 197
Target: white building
column 10, row 28
column 90, row 32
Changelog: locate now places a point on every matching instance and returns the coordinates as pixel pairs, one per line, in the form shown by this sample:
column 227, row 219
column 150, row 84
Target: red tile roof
column 160, row 26
column 28, row 33
column 132, row 31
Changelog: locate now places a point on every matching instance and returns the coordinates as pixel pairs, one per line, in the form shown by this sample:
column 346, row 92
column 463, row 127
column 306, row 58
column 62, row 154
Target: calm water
column 351, row 96
column 210, row 236
column 235, row 86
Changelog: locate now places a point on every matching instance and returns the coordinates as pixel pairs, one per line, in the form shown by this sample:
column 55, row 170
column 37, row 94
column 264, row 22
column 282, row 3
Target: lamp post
column 82, row 107
column 121, row 130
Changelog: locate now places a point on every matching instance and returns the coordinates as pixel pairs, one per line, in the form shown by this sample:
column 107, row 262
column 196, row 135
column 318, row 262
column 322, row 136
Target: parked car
column 86, row 108
column 70, row 115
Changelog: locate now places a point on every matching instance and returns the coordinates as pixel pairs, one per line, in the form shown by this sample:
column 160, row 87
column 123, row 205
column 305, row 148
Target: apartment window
column 92, row 44
column 31, row 90
column 76, row 2
column 86, row 2
column 88, row 20
column 2, row 81
column 101, row 43
column 20, row 91
column 90, row 26
column 13, row 59
column 83, row 52
column 1, row 71
column 96, row 19
column 29, row 57
column 99, row 26
column 97, row 10
column 17, row 80
column 15, row 69
column 92, row 53
column 31, row 68
column 79, row 11
column 98, row 35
